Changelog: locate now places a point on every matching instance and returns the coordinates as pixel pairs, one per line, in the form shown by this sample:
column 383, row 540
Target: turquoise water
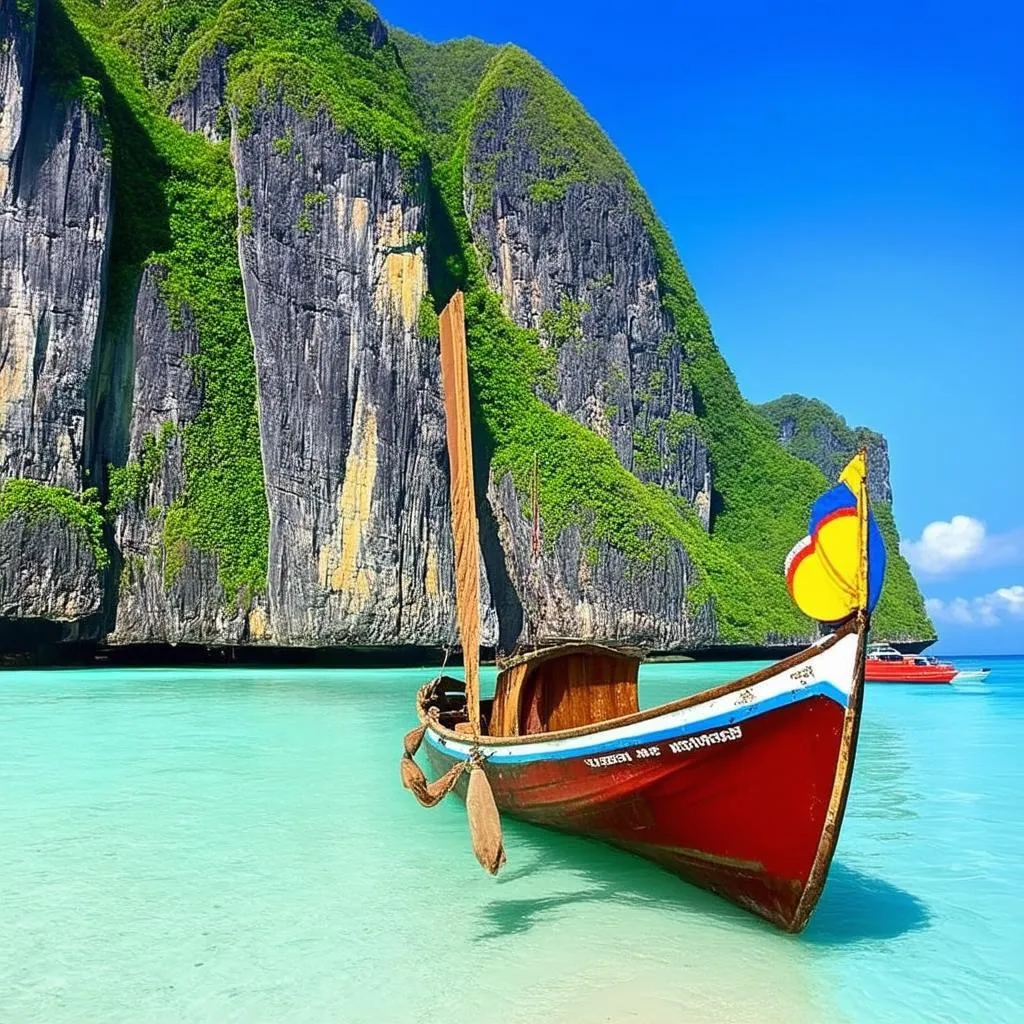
column 234, row 846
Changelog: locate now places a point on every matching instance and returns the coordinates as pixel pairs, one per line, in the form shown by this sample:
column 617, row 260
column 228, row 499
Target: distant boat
column 972, row 675
column 740, row 789
column 884, row 664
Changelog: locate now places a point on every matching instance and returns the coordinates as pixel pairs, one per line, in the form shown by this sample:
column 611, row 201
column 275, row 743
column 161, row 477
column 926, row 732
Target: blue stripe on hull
column 739, row 714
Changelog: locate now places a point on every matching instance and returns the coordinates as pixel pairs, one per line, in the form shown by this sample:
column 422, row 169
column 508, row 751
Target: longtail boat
column 740, row 789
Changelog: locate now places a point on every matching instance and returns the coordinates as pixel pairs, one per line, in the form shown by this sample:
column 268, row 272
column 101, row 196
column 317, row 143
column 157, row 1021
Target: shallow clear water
column 235, row 846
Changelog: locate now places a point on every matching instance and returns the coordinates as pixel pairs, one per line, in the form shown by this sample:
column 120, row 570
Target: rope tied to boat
column 428, row 794
column 481, row 809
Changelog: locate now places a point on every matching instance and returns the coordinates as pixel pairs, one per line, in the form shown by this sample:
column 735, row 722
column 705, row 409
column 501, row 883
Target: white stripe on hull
column 830, row 672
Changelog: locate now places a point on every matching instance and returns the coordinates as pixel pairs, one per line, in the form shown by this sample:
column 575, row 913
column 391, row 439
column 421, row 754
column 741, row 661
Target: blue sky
column 845, row 185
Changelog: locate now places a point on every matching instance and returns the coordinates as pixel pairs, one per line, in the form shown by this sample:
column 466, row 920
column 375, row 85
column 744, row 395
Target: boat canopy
column 875, row 649
column 564, row 687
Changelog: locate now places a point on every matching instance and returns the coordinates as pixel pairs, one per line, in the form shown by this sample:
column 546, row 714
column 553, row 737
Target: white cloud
column 1001, row 606
column 962, row 543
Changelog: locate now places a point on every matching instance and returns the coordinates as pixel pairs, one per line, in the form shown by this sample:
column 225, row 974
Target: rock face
column 578, row 265
column 17, row 40
column 201, row 109
column 811, row 430
column 53, row 244
column 572, row 592
column 54, row 231
column 47, row 573
column 351, row 419
column 155, row 605
column 580, row 268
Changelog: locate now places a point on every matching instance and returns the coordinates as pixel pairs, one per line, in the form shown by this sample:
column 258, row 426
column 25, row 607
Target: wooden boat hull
column 740, row 790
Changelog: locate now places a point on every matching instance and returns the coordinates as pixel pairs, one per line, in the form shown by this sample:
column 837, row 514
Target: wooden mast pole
column 465, row 530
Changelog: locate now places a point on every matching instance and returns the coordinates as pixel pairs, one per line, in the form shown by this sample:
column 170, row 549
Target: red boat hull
column 896, row 672
column 752, row 815
column 742, row 818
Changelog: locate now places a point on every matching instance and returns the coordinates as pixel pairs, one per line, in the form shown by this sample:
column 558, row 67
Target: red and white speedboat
column 884, row 664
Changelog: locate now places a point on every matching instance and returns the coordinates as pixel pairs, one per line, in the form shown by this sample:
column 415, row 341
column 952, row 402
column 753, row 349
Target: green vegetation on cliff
column 129, row 483
column 157, row 33
column 38, row 502
column 317, row 55
column 813, row 421
column 569, row 144
column 822, row 437
column 175, row 205
column 444, row 77
column 901, row 614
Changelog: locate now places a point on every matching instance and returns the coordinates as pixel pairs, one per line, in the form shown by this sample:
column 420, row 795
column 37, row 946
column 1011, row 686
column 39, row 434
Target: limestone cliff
column 811, row 430
column 54, row 235
column 17, row 32
column 226, row 229
column 579, row 587
column 577, row 267
column 351, row 420
column 576, row 264
column 168, row 593
column 201, row 107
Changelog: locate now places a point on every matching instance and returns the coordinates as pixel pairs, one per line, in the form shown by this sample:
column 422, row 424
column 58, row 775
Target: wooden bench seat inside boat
column 564, row 687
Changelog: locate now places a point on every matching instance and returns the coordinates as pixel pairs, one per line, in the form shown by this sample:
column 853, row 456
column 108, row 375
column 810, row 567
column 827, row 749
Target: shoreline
column 99, row 655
